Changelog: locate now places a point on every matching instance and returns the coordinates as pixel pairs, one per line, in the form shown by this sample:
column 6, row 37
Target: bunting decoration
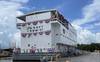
column 47, row 32
column 35, row 34
column 29, row 23
column 23, row 34
column 47, row 21
column 51, row 49
column 29, row 35
column 40, row 33
column 35, row 22
column 40, row 21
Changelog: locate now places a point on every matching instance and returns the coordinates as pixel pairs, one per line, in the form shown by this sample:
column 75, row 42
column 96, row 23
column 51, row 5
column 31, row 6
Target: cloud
column 84, row 36
column 98, row 37
column 9, row 9
column 90, row 12
column 16, row 1
column 16, row 40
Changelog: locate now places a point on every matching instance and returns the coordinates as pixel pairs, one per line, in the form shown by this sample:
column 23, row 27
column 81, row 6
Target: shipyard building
column 45, row 31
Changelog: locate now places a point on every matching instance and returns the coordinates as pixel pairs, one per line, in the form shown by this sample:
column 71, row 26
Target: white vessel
column 46, row 31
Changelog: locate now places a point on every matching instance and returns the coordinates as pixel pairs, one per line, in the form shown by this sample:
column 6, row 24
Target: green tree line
column 89, row 47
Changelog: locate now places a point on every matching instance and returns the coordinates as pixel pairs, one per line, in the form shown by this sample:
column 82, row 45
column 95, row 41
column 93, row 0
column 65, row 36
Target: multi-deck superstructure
column 45, row 31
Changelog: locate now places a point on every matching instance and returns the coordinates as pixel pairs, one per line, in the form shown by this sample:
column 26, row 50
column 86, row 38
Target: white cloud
column 90, row 12
column 9, row 9
column 1, row 33
column 98, row 37
column 16, row 40
column 16, row 1
column 23, row 1
column 89, row 27
column 84, row 36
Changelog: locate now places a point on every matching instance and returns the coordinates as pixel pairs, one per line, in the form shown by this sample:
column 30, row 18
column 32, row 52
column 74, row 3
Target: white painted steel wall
column 55, row 27
column 68, row 38
column 40, row 41
column 58, row 36
column 36, row 17
column 47, row 41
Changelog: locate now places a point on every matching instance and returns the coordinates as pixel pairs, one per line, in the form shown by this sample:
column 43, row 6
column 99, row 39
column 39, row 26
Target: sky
column 84, row 15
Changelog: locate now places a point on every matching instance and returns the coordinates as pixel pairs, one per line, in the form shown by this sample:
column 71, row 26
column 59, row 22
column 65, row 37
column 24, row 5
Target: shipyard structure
column 46, row 31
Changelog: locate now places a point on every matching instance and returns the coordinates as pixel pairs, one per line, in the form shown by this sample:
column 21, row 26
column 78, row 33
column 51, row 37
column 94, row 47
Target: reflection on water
column 6, row 60
column 93, row 57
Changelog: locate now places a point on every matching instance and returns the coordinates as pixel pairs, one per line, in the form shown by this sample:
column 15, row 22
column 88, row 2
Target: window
column 36, row 30
column 37, row 50
column 40, row 50
column 56, row 34
column 44, row 49
column 48, row 43
column 37, row 27
column 34, row 44
column 28, row 45
column 40, row 29
column 63, row 31
column 33, row 27
column 33, row 30
column 30, row 30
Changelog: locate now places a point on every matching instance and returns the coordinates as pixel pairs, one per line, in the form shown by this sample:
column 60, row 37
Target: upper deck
column 51, row 15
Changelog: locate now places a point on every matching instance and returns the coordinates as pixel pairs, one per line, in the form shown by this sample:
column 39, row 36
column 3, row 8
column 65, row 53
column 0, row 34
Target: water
column 6, row 60
column 93, row 57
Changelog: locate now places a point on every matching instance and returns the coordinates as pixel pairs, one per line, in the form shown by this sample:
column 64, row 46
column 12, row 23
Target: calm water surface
column 93, row 57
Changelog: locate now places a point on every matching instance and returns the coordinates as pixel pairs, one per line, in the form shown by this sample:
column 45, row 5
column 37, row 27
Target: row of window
column 70, row 33
column 38, row 50
column 68, row 37
column 35, row 45
column 34, row 29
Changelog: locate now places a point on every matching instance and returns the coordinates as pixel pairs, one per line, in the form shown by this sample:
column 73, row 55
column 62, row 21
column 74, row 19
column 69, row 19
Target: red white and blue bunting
column 28, row 23
column 40, row 21
column 37, row 33
column 47, row 32
column 34, row 34
column 47, row 21
column 23, row 34
column 34, row 22
column 29, row 35
column 40, row 33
